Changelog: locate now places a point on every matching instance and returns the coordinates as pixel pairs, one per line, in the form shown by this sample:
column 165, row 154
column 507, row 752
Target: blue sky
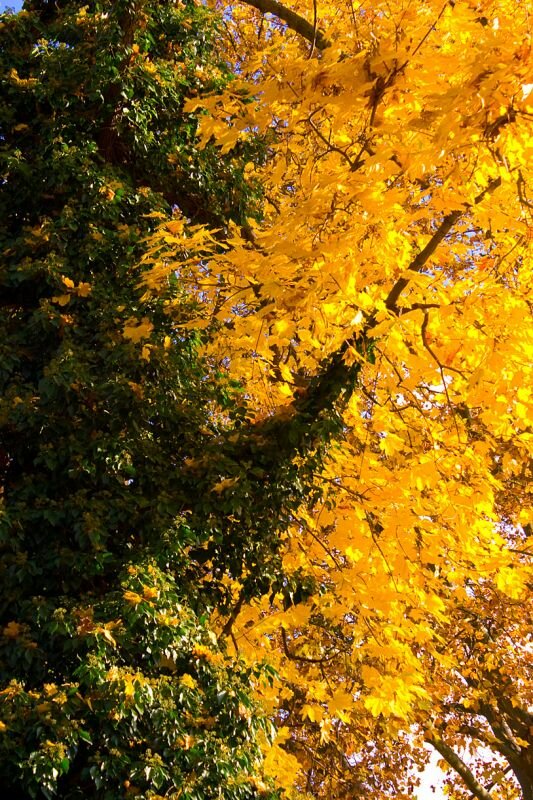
column 16, row 5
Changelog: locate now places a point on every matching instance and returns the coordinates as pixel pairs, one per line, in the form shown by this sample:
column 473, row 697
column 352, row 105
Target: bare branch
column 294, row 21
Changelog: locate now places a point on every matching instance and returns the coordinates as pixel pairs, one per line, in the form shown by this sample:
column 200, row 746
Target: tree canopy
column 265, row 418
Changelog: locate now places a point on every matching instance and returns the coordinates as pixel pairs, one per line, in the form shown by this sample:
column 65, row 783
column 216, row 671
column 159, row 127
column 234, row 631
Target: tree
column 291, row 427
column 388, row 281
column 113, row 683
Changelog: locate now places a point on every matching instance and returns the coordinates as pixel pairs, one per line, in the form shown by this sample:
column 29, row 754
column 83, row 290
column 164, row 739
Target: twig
column 294, row 657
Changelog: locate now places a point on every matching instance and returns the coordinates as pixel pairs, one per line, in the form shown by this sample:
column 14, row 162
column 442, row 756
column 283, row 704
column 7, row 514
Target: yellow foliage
column 396, row 231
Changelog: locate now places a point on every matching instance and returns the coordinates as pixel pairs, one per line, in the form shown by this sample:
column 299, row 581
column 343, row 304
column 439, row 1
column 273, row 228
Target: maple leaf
column 136, row 330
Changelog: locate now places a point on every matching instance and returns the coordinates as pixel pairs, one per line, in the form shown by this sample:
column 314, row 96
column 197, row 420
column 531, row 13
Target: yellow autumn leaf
column 340, row 703
column 377, row 705
column 511, row 582
column 83, row 289
column 188, row 681
column 313, row 713
column 12, row 630
column 61, row 299
column 136, row 330
column 282, row 766
column 132, row 597
column 225, row 483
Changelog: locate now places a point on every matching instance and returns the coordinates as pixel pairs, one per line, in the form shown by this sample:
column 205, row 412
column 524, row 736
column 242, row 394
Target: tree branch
column 442, row 231
column 294, row 657
column 294, row 21
column 457, row 763
column 235, row 611
column 284, row 435
column 337, row 377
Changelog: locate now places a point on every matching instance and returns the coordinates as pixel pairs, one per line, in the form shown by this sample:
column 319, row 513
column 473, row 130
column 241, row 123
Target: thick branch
column 520, row 758
column 335, row 379
column 457, row 763
column 294, row 21
column 442, row 231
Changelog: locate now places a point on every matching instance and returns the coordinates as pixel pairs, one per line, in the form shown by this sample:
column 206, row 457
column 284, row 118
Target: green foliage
column 112, row 684
column 151, row 701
